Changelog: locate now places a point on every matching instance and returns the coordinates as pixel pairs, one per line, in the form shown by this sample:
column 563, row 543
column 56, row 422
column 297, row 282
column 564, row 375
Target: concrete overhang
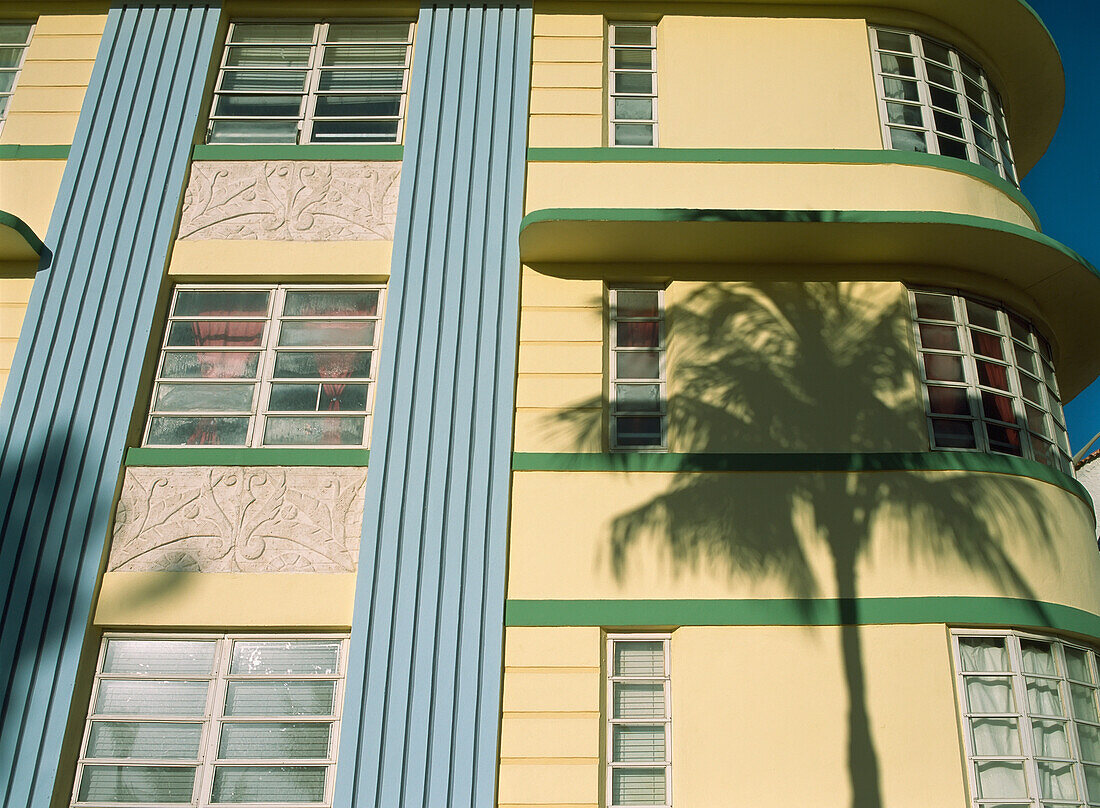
column 17, row 241
column 866, row 245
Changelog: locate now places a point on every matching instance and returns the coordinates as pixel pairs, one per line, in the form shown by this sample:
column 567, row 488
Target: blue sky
column 1065, row 185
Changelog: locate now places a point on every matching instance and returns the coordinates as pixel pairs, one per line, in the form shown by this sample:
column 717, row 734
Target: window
column 1031, row 726
column 14, row 38
column 934, row 99
column 988, row 380
column 633, row 83
column 637, row 387
column 297, row 82
column 267, row 366
column 207, row 720
column 639, row 765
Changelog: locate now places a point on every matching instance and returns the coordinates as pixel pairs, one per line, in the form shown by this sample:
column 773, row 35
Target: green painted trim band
column 797, row 462
column 20, row 152
column 306, row 151
column 222, row 456
column 798, row 216
column 24, row 231
column 802, row 612
column 608, row 154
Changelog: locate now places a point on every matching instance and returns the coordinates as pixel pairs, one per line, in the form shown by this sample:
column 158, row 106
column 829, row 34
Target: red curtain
column 222, row 364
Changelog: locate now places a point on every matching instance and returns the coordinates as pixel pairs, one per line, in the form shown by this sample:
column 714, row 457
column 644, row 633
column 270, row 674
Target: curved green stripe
column 31, row 152
column 608, row 154
column 798, row 462
column 803, row 612
column 23, row 229
column 226, row 456
column 306, row 151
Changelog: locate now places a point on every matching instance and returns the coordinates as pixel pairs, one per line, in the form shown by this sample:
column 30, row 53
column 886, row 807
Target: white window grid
column 620, row 438
column 314, row 70
column 930, row 93
column 1077, row 696
column 268, row 353
column 213, row 718
column 633, row 70
column 15, row 37
column 1030, row 384
column 612, row 721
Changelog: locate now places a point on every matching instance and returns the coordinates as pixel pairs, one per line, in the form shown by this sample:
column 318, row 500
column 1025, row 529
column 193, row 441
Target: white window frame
column 1023, row 716
column 1051, row 409
column 214, row 716
column 1001, row 160
column 612, row 94
column 662, row 381
column 6, row 95
column 262, row 391
column 308, row 97
column 612, row 722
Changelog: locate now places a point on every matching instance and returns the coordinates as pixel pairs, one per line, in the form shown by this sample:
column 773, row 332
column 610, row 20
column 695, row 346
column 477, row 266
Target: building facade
column 566, row 404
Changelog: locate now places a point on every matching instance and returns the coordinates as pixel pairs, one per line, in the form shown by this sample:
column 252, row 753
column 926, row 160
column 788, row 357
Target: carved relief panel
column 238, row 519
column 291, row 200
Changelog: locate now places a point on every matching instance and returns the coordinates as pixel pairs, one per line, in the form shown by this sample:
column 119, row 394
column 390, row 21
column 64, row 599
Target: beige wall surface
column 54, row 78
column 28, row 189
column 567, row 81
column 14, row 295
column 592, row 535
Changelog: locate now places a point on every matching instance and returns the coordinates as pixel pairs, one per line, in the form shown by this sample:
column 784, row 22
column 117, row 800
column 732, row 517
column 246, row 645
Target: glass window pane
column 1078, row 664
column 14, row 33
column 1037, row 421
column 1026, row 359
column 334, row 303
column 634, row 83
column 634, row 109
column 934, row 307
column 634, row 743
column 638, row 786
column 639, row 658
column 217, row 333
column 995, row 736
column 7, row 80
column 948, row 400
column 221, row 303
column 385, row 55
column 350, row 79
column 638, row 334
column 368, row 131
column 319, row 398
column 894, row 42
column 326, row 332
column 269, row 784
column 1050, row 739
column 897, row 65
column 638, row 397
column 267, row 56
column 358, row 106
column 1032, row 389
column 908, row 140
column 322, row 364
column 992, row 375
column 981, row 315
column 948, row 124
column 638, row 700
column 10, row 57
column 1084, row 703
column 150, row 697
column 254, row 106
column 953, row 434
column 990, row 694
column 1000, row 778
column 274, row 741
column 638, row 365
column 1056, row 781
column 368, row 32
column 908, row 114
column 1089, row 736
column 134, row 739
column 637, row 431
column 1002, row 439
column 986, row 344
column 318, row 431
column 159, row 656
column 944, row 99
column 272, row 32
column 983, row 654
column 935, row 51
column 939, row 337
column 210, row 365
column 633, row 59
column 230, row 132
column 998, row 408
column 160, row 784
column 1092, row 783
column 204, row 398
column 261, row 80
column 1038, row 657
column 255, row 657
column 901, row 89
column 942, row 367
column 202, row 431
column 633, row 134
column 951, row 148
column 633, row 35
column 1044, row 697
column 280, row 698
column 941, row 75
column 637, row 304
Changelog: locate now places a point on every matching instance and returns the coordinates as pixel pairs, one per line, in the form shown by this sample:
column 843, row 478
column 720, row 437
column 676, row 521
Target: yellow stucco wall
column 252, row 261
column 567, row 81
column 759, row 717
column 28, row 189
column 14, row 294
column 47, row 99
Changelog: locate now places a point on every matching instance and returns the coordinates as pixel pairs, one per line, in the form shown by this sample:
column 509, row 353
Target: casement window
column 934, row 99
column 988, row 380
column 637, row 362
column 639, row 721
column 14, row 38
column 301, row 82
column 207, row 720
column 1031, row 724
column 632, row 107
column 267, row 366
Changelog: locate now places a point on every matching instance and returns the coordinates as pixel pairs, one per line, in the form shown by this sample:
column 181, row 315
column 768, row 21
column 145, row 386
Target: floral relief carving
column 238, row 519
column 291, row 200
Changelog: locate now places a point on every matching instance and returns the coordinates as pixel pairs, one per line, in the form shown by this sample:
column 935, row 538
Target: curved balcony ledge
column 913, row 246
column 17, row 241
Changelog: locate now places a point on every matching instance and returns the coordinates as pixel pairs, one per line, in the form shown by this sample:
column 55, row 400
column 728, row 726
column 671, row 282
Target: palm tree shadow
column 811, row 367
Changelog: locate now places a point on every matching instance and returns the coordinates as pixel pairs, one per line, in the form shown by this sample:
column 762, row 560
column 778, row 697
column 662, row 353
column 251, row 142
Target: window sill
column 244, row 456
column 306, row 151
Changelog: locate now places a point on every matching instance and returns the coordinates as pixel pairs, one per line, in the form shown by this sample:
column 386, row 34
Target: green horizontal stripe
column 24, row 231
column 798, row 462
column 308, row 151
column 809, row 156
column 220, row 456
column 802, row 612
column 19, row 152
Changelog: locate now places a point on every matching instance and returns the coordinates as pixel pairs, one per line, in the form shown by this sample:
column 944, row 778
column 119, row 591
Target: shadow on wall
column 793, row 367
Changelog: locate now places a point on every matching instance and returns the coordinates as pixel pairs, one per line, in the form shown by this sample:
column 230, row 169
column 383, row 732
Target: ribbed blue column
column 72, row 389
column 423, row 692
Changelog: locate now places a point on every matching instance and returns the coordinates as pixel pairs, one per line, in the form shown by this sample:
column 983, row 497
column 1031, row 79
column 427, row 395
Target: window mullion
column 316, row 56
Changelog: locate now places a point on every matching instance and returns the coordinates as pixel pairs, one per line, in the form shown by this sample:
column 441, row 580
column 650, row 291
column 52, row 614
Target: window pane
column 995, row 736
column 636, row 304
column 635, row 109
column 1032, row 389
column 634, row 59
column 1043, row 697
column 638, row 786
column 220, row 303
column 1092, row 783
column 267, row 56
column 162, row 784
column 229, row 132
column 633, row 35
column 638, row 365
column 633, row 134
column 948, row 124
column 326, row 332
column 981, row 315
column 14, row 33
column 280, row 698
column 377, row 80
column 159, row 656
column 935, row 51
column 256, row 657
column 901, row 89
column 150, row 697
column 1056, row 781
column 368, row 32
column 940, row 367
column 897, row 65
column 983, row 654
column 939, row 337
column 991, row 375
column 264, row 741
column 1025, row 358
column 638, row 397
column 894, row 42
column 635, row 431
column 634, row 83
column 633, row 743
column 941, row 75
column 261, row 80
column 638, row 700
column 7, row 80
column 371, row 131
column 944, row 99
column 353, row 106
column 319, row 398
column 217, row 333
column 948, row 400
column 638, row 334
column 1078, row 664
column 1002, row 439
column 252, row 106
column 1089, row 737
column 341, row 303
column 324, row 364
column 269, row 784
column 999, row 408
column 908, row 140
column 1084, row 703
column 386, row 55
column 1000, row 778
column 133, row 739
column 183, row 431
column 321, row 431
column 10, row 57
column 953, row 434
column 1038, row 657
column 1037, row 421
column 641, row 658
column 1050, row 739
column 210, row 365
column 908, row 114
column 272, row 32
column 990, row 694
column 951, row 148
column 204, row 398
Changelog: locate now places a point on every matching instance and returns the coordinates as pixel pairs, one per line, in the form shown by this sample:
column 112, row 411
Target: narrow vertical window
column 301, row 82
column 934, row 99
column 639, row 763
column 633, row 84
column 14, row 38
column 637, row 386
